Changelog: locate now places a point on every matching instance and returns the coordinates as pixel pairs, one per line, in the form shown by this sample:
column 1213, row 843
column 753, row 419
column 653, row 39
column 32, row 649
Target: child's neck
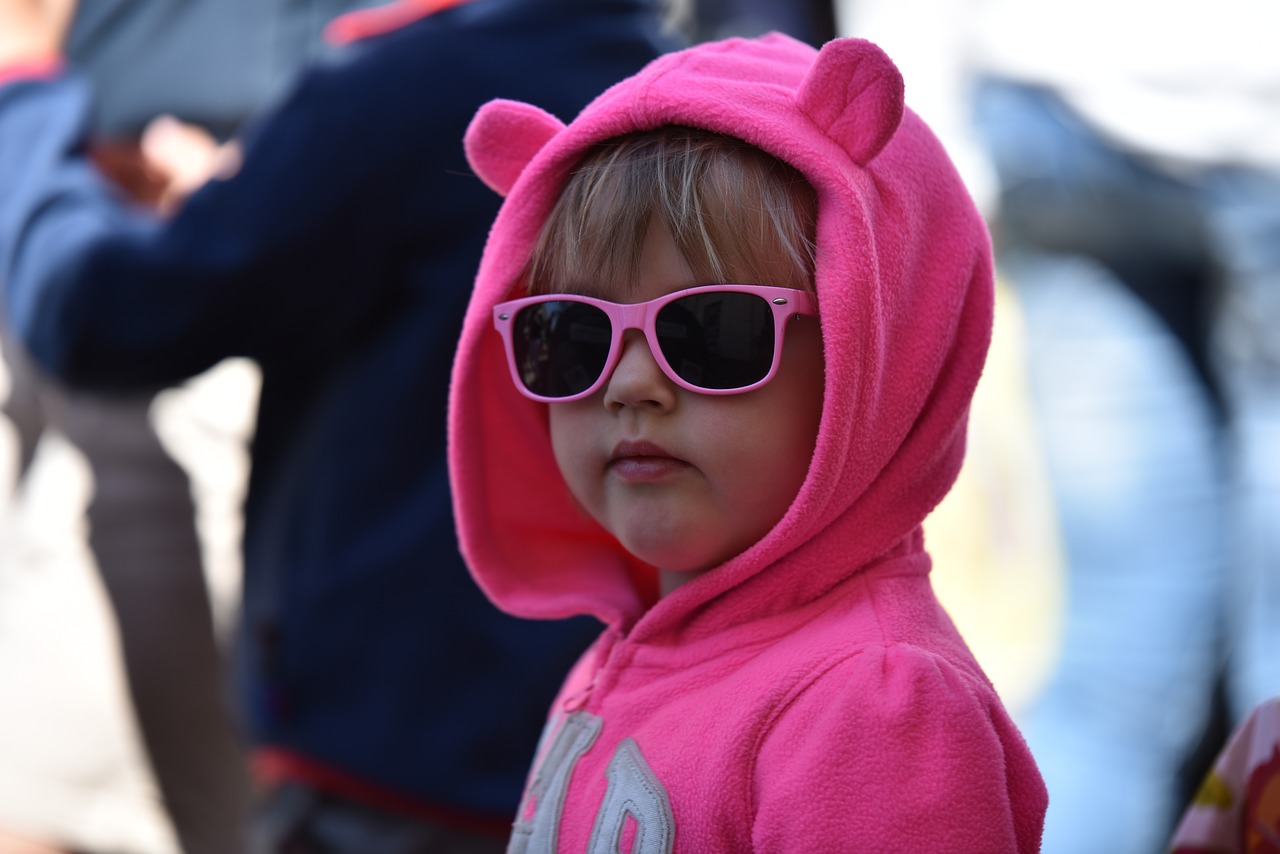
column 669, row 580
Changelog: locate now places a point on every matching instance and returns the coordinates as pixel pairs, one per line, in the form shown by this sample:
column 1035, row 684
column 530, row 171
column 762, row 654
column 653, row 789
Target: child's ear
column 503, row 137
column 853, row 92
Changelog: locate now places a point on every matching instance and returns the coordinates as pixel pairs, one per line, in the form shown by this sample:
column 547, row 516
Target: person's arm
column 276, row 262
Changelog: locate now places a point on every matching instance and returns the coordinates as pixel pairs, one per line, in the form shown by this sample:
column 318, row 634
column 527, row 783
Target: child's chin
column 668, row 559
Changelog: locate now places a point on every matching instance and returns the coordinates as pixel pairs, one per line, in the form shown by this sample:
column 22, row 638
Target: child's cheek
column 576, row 453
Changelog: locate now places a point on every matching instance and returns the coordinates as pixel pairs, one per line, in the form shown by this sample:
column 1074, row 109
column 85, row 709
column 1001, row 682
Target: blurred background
column 1111, row 551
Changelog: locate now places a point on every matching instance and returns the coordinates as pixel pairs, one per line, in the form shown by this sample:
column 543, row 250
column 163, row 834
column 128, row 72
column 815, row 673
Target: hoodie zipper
column 609, row 644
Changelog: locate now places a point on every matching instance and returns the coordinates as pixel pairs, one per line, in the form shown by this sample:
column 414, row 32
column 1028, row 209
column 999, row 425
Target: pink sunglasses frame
column 784, row 302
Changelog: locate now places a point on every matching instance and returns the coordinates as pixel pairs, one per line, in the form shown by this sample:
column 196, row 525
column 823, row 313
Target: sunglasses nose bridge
column 629, row 316
column 624, row 317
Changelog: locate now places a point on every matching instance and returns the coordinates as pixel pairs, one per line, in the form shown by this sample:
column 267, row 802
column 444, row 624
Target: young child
column 741, row 305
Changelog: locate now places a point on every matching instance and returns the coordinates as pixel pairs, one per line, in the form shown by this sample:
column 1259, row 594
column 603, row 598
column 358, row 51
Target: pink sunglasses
column 714, row 339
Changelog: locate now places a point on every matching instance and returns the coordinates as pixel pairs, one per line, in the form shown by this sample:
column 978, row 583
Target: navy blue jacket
column 211, row 62
column 340, row 258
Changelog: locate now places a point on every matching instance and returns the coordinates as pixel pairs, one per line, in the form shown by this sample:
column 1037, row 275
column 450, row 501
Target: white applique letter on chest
column 634, row 795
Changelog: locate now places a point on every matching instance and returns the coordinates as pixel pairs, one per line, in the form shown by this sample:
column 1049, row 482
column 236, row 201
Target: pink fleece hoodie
column 810, row 694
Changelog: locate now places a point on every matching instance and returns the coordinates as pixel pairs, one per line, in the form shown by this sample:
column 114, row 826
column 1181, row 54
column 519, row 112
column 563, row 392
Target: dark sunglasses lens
column 718, row 340
column 561, row 346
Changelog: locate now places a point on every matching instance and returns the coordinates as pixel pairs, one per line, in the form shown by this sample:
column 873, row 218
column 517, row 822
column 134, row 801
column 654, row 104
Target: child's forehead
column 730, row 214
column 646, row 284
column 660, row 268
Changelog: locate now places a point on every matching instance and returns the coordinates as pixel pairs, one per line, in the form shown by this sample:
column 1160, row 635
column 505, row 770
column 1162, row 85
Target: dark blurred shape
column 213, row 62
column 209, row 62
column 812, row 21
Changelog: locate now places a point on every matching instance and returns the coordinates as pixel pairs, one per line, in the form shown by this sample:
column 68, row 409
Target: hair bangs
column 737, row 214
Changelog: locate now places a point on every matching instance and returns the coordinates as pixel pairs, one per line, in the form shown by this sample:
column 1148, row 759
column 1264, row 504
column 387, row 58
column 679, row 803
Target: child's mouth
column 643, row 462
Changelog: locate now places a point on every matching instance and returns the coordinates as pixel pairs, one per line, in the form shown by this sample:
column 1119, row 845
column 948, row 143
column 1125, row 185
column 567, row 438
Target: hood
column 905, row 297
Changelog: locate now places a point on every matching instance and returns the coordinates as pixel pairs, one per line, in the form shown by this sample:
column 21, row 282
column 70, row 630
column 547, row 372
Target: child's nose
column 637, row 380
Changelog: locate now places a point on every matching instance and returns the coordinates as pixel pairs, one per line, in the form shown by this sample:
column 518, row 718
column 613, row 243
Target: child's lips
column 643, row 462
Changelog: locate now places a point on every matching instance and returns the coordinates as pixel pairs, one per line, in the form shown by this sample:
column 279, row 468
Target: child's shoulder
column 883, row 677
column 891, row 739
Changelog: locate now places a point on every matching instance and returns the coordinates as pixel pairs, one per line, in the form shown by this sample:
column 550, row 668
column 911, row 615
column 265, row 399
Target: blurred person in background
column 158, row 509
column 811, row 21
column 389, row 706
column 1236, row 808
column 1128, row 155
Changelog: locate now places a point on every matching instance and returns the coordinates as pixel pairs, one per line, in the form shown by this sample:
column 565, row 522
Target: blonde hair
column 737, row 214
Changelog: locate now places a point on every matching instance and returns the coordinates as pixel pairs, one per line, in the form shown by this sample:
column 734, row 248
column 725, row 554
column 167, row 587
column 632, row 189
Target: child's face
column 686, row 480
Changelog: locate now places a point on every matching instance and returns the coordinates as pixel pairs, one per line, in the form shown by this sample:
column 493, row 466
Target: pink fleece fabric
column 810, row 694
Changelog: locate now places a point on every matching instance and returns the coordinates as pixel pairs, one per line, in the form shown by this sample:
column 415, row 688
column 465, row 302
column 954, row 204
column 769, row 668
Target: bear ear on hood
column 503, row 137
column 854, row 93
